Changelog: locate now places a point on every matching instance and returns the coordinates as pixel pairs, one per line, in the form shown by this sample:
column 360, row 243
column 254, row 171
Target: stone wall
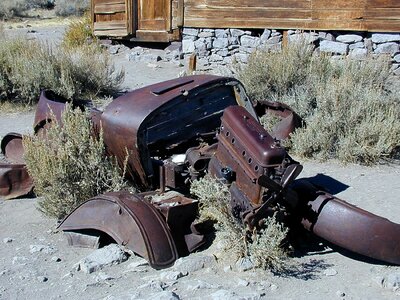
column 222, row 46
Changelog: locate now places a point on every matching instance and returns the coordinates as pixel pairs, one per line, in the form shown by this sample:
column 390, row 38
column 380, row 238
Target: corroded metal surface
column 353, row 228
column 159, row 231
column 130, row 221
column 14, row 181
column 165, row 119
column 50, row 106
column 12, row 149
column 289, row 119
column 177, row 131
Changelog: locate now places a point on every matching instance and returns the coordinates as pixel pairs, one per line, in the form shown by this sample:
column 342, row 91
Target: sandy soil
column 28, row 271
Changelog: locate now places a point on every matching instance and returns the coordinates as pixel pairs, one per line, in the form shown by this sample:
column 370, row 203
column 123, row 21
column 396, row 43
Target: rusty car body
column 178, row 131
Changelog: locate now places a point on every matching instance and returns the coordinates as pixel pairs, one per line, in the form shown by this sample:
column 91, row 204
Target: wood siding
column 359, row 15
column 112, row 17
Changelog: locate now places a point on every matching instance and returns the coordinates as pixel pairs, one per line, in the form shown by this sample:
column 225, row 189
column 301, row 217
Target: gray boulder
column 334, row 47
column 387, row 48
column 379, row 38
column 349, row 38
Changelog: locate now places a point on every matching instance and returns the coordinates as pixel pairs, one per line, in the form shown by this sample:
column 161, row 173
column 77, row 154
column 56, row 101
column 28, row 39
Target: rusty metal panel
column 130, row 221
column 146, row 123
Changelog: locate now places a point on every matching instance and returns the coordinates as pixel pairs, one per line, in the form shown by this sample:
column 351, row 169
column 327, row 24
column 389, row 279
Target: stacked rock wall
column 222, row 46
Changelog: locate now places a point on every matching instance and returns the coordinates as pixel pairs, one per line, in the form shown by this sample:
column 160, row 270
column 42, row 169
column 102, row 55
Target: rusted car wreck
column 178, row 131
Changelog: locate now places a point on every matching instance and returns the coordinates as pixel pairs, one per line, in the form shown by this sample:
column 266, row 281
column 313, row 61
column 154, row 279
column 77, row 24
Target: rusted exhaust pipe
column 353, row 228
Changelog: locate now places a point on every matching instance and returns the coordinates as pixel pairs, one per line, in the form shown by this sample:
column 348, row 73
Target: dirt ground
column 36, row 263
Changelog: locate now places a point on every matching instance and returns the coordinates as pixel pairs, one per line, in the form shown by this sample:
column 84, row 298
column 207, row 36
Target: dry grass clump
column 263, row 248
column 266, row 250
column 214, row 205
column 70, row 166
column 79, row 33
column 27, row 67
column 350, row 109
column 66, row 8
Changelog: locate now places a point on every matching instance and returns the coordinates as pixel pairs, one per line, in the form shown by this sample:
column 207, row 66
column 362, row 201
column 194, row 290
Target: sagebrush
column 264, row 248
column 79, row 33
column 27, row 67
column 15, row 8
column 71, row 7
column 11, row 8
column 70, row 165
column 350, row 108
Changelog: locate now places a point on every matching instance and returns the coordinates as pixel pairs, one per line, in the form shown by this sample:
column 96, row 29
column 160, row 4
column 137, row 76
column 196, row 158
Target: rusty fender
column 14, row 178
column 11, row 147
column 351, row 227
column 14, row 181
column 130, row 221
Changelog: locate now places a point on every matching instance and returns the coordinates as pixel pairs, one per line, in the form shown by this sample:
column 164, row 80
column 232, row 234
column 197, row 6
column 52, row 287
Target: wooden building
column 161, row 20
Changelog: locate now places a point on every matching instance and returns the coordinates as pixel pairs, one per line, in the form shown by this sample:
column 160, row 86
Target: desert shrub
column 214, row 205
column 78, row 33
column 27, row 67
column 11, row 8
column 70, row 166
column 349, row 111
column 71, row 7
column 41, row 3
column 263, row 247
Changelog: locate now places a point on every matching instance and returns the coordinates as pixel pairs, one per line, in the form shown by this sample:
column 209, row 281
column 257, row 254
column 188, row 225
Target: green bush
column 27, row 67
column 69, row 165
column 351, row 108
column 66, row 8
column 263, row 248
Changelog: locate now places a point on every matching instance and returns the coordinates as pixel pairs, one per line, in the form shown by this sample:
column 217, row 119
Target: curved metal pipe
column 353, row 228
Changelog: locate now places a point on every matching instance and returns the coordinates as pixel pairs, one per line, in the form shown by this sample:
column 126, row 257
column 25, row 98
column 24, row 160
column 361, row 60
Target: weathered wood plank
column 337, row 14
column 338, row 4
column 383, row 4
column 112, row 33
column 383, row 14
column 212, row 14
column 278, row 24
column 298, row 4
column 109, row 8
column 152, row 36
column 97, row 2
column 110, row 25
column 379, row 26
column 110, row 17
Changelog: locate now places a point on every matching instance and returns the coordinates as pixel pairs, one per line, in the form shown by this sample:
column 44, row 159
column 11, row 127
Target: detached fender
column 14, row 181
column 11, row 147
column 131, row 221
